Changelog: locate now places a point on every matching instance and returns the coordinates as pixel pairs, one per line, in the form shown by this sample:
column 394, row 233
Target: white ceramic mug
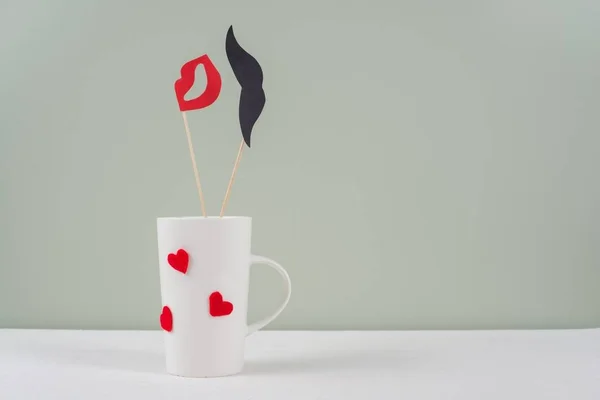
column 204, row 280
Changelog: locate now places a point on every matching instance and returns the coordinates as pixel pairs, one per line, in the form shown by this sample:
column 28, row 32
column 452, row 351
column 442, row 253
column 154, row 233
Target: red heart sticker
column 179, row 261
column 166, row 319
column 218, row 307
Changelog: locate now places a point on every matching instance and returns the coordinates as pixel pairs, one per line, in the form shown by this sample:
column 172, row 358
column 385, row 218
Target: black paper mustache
column 249, row 74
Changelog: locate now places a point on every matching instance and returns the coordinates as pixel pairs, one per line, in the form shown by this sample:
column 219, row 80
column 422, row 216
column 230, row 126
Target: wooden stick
column 193, row 157
column 235, row 167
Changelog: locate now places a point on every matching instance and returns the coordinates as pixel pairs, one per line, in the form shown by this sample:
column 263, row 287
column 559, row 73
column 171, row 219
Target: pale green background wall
column 418, row 164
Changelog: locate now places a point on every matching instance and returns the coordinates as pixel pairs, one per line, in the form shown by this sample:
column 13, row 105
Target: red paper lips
column 185, row 83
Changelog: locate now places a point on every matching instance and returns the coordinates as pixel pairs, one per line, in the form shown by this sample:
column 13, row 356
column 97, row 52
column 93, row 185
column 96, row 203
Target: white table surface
column 465, row 365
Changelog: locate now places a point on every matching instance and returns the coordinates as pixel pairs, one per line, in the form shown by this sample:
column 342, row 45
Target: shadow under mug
column 204, row 265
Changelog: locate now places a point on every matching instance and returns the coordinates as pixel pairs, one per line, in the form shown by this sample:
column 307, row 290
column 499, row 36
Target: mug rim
column 207, row 218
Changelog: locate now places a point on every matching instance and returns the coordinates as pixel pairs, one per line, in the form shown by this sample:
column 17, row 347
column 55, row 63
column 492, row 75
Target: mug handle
column 288, row 288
